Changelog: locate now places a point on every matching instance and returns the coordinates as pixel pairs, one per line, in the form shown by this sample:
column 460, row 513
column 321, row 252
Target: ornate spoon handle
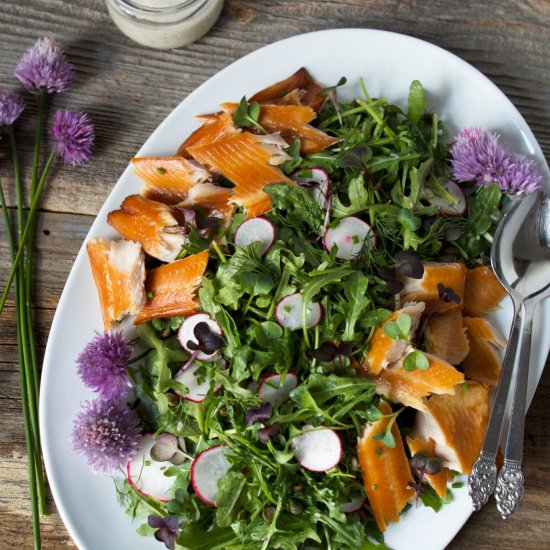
column 481, row 482
column 509, row 488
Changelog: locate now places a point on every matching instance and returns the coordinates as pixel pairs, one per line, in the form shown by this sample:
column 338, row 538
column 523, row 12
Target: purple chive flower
column 166, row 529
column 44, row 67
column 74, row 136
column 521, row 176
column 102, row 364
column 479, row 156
column 11, row 106
column 107, row 433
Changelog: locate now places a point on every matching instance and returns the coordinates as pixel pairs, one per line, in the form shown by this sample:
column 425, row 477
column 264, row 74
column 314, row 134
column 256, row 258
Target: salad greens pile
column 385, row 168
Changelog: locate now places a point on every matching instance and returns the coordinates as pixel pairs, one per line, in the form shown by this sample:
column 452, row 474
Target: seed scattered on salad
column 298, row 282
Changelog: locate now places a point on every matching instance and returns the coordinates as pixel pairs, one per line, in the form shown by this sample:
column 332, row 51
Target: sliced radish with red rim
column 289, row 312
column 354, row 504
column 186, row 333
column 445, row 205
column 317, row 449
column 198, row 391
column 350, row 236
column 256, row 230
column 207, row 469
column 276, row 390
column 318, row 182
column 147, row 475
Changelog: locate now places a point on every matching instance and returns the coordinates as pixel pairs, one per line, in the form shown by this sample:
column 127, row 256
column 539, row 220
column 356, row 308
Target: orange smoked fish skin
column 168, row 179
column 242, row 160
column 292, row 122
column 119, row 272
column 445, row 336
column 171, row 288
column 384, row 350
column 483, row 362
column 457, row 424
column 483, row 291
column 300, row 80
column 151, row 223
column 451, row 275
column 385, row 470
column 410, row 387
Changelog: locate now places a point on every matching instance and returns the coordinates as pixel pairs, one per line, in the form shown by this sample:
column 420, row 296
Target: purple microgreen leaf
column 344, row 348
column 358, row 157
column 447, row 294
column 418, row 461
column 155, row 521
column 433, row 466
column 258, row 415
column 264, row 434
column 208, row 341
column 408, row 264
column 326, row 352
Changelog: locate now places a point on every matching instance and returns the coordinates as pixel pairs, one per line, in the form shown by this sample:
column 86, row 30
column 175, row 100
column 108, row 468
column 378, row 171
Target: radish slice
column 256, row 230
column 289, row 312
column 274, row 392
column 349, row 236
column 207, row 469
column 186, row 333
column 354, row 504
column 198, row 391
column 445, row 206
column 318, row 450
column 321, row 186
column 146, row 475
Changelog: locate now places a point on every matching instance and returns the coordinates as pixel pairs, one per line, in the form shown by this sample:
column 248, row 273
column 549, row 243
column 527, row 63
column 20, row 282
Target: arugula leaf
column 355, row 290
column 230, row 498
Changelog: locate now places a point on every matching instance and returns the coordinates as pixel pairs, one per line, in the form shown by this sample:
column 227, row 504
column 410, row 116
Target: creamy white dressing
column 165, row 24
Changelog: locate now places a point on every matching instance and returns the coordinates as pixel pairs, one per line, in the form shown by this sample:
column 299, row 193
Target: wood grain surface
column 128, row 90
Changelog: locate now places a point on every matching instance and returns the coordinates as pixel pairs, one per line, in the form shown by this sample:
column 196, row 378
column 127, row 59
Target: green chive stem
column 32, row 213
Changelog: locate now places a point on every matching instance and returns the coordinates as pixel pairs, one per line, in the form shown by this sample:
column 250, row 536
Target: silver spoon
column 520, row 258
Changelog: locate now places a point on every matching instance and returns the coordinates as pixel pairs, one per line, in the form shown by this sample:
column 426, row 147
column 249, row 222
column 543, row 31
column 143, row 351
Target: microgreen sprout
column 386, row 274
column 259, row 414
column 422, row 464
column 385, row 436
column 416, row 360
column 247, row 114
column 207, row 340
column 330, row 93
column 358, row 157
column 408, row 264
column 447, row 294
column 399, row 329
column 166, row 529
column 170, row 448
column 332, row 353
column 264, row 434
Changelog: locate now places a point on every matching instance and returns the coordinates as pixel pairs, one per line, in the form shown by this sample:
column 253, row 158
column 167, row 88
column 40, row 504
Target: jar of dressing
column 164, row 24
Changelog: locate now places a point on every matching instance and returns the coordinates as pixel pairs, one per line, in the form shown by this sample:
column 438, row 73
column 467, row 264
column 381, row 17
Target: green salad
column 253, row 407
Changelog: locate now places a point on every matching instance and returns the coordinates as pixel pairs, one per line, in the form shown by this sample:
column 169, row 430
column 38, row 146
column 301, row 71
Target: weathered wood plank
column 128, row 90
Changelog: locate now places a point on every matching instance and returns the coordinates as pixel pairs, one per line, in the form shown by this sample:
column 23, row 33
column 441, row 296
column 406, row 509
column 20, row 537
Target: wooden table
column 128, row 90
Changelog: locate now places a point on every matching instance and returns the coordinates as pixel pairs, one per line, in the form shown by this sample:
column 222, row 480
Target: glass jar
column 164, row 24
